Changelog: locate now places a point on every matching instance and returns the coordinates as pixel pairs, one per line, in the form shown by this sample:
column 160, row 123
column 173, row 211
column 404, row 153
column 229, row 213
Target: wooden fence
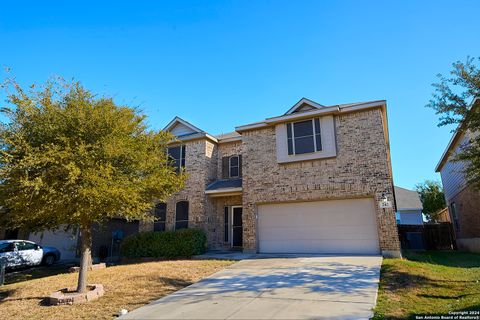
column 431, row 236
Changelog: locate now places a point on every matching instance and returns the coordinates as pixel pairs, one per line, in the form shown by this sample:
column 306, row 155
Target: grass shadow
column 5, row 294
column 456, row 259
column 25, row 274
column 393, row 279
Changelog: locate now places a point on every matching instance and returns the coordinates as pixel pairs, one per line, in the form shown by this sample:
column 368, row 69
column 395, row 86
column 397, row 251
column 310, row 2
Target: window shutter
column 289, row 139
column 240, row 166
column 225, row 167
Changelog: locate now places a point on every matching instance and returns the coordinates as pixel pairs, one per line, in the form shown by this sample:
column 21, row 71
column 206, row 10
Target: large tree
column 457, row 100
column 432, row 197
column 69, row 158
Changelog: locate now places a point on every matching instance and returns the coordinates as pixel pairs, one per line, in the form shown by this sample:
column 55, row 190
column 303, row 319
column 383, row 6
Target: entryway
column 237, row 227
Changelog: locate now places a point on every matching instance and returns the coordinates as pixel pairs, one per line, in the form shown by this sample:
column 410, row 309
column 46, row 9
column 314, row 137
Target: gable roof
column 304, row 105
column 179, row 121
column 457, row 135
column 184, row 131
column 317, row 111
column 407, row 199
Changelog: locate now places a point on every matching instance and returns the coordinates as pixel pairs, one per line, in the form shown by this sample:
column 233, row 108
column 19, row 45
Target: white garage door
column 338, row 226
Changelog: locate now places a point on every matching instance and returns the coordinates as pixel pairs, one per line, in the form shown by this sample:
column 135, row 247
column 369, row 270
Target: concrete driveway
column 274, row 287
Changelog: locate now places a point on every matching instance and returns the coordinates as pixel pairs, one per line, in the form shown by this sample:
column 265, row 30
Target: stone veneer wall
column 217, row 234
column 203, row 166
column 200, row 165
column 226, row 150
column 215, row 207
column 360, row 169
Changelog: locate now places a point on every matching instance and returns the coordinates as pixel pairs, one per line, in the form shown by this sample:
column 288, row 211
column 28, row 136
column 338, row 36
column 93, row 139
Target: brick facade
column 227, row 150
column 200, row 164
column 360, row 169
column 467, row 204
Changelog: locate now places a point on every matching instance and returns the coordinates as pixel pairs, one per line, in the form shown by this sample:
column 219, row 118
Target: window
column 226, row 225
column 21, row 246
column 181, row 215
column 233, row 167
column 304, row 137
column 453, row 209
column 7, row 247
column 177, row 154
column 160, row 213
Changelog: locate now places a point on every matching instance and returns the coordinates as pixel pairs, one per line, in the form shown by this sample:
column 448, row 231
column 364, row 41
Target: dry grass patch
column 126, row 287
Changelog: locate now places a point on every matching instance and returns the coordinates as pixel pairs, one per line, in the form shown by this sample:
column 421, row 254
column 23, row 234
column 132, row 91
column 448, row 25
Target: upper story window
column 234, row 167
column 177, row 154
column 304, row 136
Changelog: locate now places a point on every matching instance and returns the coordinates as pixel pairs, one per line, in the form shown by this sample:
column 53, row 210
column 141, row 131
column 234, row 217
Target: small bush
column 167, row 244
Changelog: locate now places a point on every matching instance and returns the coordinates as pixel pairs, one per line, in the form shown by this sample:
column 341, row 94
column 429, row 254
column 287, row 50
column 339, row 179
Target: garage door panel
column 338, row 219
column 338, row 226
column 322, row 246
column 319, row 233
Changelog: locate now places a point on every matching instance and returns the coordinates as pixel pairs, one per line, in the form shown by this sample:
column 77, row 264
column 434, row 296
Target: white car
column 23, row 253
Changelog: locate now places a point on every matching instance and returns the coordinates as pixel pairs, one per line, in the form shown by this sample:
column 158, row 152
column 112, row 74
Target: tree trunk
column 85, row 257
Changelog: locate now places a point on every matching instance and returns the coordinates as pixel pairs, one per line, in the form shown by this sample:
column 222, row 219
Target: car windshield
column 6, row 247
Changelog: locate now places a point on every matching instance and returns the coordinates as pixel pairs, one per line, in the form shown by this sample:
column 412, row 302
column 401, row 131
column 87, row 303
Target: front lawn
column 126, row 287
column 429, row 282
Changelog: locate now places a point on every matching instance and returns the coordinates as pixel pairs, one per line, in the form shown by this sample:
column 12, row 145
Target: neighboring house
column 409, row 206
column 463, row 201
column 308, row 181
column 106, row 239
column 64, row 241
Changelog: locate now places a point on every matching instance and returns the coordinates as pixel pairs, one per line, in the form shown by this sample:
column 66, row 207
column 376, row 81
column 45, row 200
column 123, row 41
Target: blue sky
column 220, row 64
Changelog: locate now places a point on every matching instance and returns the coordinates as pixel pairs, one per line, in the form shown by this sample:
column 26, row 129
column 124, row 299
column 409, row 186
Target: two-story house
column 308, row 181
column 463, row 200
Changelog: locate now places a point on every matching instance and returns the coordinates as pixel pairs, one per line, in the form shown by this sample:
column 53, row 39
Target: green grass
column 429, row 282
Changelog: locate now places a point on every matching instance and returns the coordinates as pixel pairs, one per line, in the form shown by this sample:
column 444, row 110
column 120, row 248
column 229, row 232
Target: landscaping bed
column 430, row 282
column 126, row 287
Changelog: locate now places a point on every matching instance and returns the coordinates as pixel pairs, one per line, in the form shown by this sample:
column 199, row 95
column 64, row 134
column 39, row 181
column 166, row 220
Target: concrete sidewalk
column 294, row 287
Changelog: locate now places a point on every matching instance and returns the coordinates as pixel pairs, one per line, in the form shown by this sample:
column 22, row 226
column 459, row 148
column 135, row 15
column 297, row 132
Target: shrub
column 167, row 244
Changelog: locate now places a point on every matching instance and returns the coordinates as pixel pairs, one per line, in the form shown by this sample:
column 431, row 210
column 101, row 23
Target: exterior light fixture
column 384, row 203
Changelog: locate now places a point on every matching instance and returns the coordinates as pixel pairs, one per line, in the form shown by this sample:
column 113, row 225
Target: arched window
column 181, row 215
column 234, row 167
column 160, row 215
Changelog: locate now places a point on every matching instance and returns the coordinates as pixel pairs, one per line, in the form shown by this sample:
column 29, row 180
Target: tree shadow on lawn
column 457, row 259
column 393, row 279
column 471, row 308
column 25, row 274
column 412, row 316
column 4, row 294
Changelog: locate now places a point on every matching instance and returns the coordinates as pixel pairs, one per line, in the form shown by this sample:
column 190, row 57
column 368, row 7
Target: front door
column 237, row 228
